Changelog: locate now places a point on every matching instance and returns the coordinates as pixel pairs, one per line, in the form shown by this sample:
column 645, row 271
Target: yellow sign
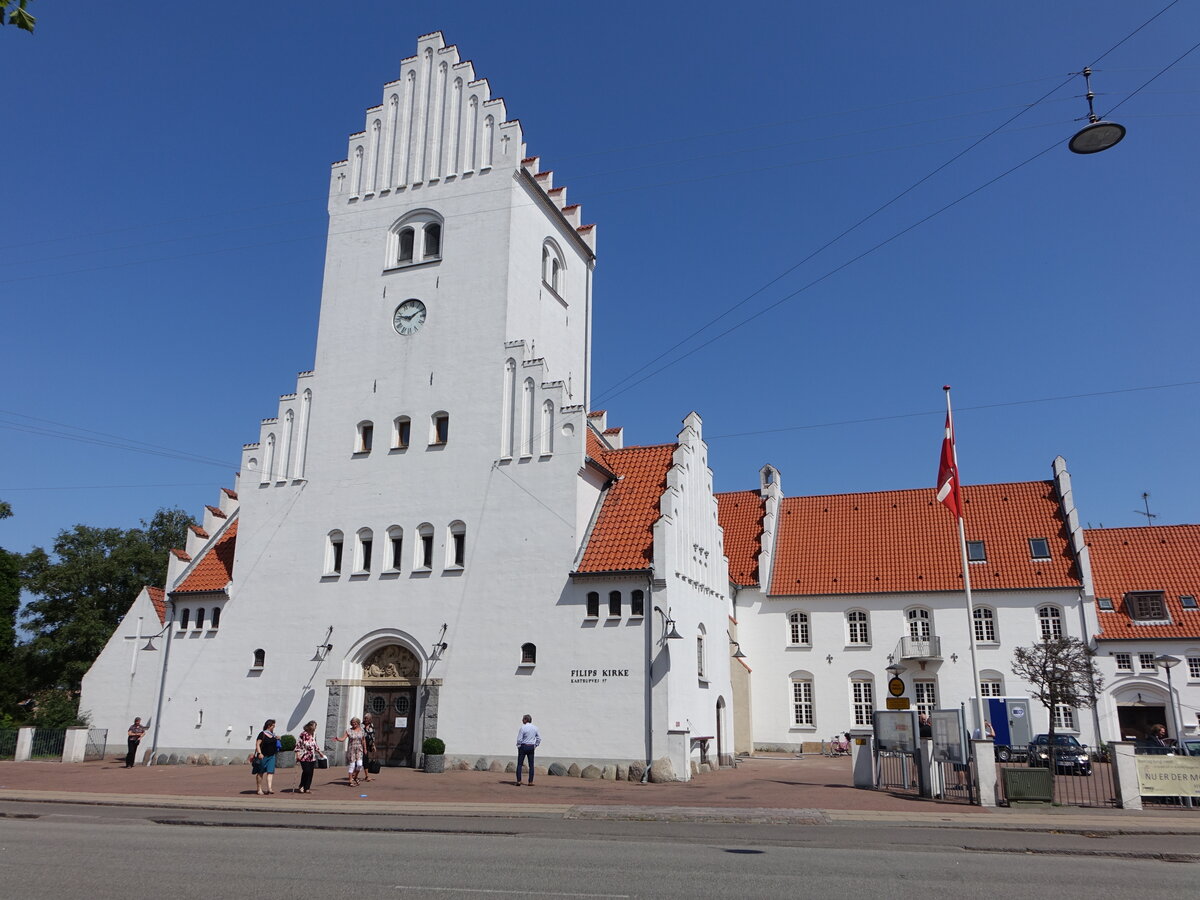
column 1168, row 776
column 897, row 703
column 896, row 687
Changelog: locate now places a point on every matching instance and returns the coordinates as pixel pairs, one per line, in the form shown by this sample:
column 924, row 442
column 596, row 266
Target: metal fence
column 955, row 782
column 896, row 771
column 8, row 743
column 1090, row 785
column 97, row 743
column 48, row 743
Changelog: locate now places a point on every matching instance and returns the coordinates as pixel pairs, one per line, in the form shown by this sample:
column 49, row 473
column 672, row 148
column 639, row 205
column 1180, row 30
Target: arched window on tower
column 554, row 267
column 414, row 238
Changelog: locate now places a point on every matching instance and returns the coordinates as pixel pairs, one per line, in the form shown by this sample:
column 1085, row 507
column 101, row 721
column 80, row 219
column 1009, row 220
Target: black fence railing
column 8, row 743
column 1092, row 784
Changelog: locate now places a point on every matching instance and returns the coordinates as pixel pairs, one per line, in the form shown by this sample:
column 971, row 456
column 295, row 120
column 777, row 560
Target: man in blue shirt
column 528, row 739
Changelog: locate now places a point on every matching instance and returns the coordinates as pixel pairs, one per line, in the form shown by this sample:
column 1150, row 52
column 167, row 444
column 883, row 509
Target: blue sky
column 164, row 204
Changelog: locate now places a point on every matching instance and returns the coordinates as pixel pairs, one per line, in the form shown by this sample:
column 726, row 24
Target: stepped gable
column 214, row 570
column 158, row 597
column 740, row 514
column 622, row 539
column 905, row 541
column 1148, row 558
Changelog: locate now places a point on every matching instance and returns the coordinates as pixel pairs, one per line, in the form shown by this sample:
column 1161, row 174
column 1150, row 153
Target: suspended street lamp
column 1097, row 135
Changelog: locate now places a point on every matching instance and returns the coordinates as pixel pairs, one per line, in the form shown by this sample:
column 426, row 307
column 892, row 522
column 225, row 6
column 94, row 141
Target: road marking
column 428, row 887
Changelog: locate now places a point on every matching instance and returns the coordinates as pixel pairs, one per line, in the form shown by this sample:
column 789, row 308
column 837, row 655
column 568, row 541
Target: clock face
column 410, row 315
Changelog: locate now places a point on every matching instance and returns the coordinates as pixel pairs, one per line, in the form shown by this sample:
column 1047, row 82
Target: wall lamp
column 668, row 625
column 737, row 652
column 324, row 647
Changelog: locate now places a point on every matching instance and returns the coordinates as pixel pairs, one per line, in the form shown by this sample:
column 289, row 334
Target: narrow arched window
column 593, row 605
column 200, row 618
column 798, row 631
column 614, row 603
column 365, row 437
column 401, row 432
column 528, row 654
column 920, row 628
column 185, row 616
column 637, row 603
column 425, row 546
column 433, row 241
column 260, row 658
column 333, row 553
column 216, row 617
column 439, row 431
column 395, row 548
column 546, row 435
column 404, row 253
column 458, row 545
column 366, row 544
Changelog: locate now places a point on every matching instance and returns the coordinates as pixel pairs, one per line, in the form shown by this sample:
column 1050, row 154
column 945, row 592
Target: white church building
column 434, row 525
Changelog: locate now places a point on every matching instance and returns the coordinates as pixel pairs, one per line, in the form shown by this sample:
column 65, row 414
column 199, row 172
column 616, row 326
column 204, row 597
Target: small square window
column 976, row 552
column 1187, row 601
column 1105, row 603
column 1146, row 662
column 1039, row 548
column 1124, row 662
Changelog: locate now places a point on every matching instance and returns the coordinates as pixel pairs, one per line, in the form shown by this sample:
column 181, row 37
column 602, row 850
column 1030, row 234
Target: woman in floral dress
column 307, row 752
column 356, row 740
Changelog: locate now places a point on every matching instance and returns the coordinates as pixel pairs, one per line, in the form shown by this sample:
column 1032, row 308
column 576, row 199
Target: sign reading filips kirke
column 1168, row 776
column 596, row 676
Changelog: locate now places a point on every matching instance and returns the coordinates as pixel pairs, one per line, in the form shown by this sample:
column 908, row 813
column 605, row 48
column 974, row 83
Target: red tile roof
column 198, row 531
column 740, row 514
column 215, row 569
column 904, row 541
column 595, row 446
column 622, row 539
column 230, row 493
column 1151, row 558
column 159, row 598
column 180, row 554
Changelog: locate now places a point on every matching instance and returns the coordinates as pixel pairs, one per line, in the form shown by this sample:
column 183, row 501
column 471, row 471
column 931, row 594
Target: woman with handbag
column 266, row 745
column 307, row 753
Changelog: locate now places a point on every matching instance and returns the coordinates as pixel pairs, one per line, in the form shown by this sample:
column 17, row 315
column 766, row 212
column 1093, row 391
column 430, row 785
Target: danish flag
column 948, row 491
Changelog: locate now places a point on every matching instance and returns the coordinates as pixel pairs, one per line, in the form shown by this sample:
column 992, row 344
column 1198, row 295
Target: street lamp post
column 1168, row 663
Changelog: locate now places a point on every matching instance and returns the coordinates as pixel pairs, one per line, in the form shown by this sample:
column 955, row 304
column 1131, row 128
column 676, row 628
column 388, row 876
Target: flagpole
column 966, row 573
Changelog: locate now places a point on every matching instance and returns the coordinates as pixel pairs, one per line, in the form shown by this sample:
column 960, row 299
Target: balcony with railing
column 919, row 648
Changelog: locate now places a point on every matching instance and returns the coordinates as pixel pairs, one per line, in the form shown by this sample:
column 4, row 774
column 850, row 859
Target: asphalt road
column 97, row 853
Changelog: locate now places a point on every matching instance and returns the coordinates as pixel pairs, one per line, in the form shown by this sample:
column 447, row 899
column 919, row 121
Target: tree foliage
column 82, row 591
column 14, row 12
column 1061, row 672
column 11, row 661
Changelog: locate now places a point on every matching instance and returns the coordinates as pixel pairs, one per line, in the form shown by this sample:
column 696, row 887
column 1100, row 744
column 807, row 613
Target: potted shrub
column 286, row 757
column 434, row 750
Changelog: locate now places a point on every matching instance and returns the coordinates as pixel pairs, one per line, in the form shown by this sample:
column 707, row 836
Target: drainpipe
column 649, row 601
column 162, row 682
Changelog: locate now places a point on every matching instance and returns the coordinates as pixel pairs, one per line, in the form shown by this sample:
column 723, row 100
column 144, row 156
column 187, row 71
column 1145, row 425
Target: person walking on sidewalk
column 528, row 740
column 307, row 752
column 136, row 730
column 266, row 745
column 356, row 741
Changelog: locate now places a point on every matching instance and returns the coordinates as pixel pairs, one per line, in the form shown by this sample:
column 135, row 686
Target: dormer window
column 976, row 552
column 1146, row 606
column 1039, row 548
column 1187, row 601
column 1105, row 603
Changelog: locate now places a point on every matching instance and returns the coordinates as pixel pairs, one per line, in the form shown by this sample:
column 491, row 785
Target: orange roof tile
column 230, row 493
column 215, row 569
column 622, row 539
column 740, row 514
column 216, row 512
column 1149, row 558
column 159, row 598
column 180, row 554
column 903, row 541
column 596, row 412
column 198, row 531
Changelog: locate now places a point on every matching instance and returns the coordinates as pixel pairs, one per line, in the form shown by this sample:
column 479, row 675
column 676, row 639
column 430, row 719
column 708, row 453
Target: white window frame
column 799, row 629
column 862, row 700
column 985, row 625
column 920, row 623
column 424, row 549
column 1064, row 718
column 858, row 627
column 418, row 222
column 991, row 687
column 925, row 695
column 1123, row 662
column 803, row 707
column 335, row 552
column 364, row 551
column 364, row 437
column 456, row 552
column 701, row 656
column 1146, row 662
column 395, row 560
column 1050, row 622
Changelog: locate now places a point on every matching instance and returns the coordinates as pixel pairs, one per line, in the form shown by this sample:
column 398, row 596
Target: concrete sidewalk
column 763, row 789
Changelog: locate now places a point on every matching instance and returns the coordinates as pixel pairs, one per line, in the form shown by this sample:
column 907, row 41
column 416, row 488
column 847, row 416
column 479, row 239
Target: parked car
column 1070, row 755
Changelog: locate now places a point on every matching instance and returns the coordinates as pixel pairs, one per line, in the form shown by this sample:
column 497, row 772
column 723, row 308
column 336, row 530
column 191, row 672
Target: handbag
column 322, row 762
column 373, row 766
